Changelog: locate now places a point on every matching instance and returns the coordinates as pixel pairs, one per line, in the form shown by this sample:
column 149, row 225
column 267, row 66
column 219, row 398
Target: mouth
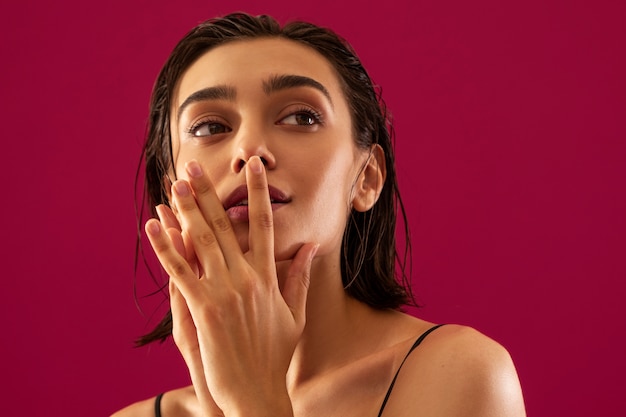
column 239, row 198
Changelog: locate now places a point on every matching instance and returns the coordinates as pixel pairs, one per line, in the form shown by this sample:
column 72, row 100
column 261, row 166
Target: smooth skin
column 260, row 315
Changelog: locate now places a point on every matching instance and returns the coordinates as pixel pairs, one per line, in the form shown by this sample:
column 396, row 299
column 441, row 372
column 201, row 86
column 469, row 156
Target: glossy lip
column 241, row 193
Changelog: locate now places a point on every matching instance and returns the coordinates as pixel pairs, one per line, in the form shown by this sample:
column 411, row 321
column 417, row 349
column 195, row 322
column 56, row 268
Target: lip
column 234, row 208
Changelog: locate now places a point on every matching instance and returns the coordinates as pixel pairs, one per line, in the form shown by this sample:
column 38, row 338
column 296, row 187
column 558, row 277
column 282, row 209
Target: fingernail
column 159, row 210
column 255, row 164
column 181, row 188
column 194, row 169
column 314, row 251
column 153, row 227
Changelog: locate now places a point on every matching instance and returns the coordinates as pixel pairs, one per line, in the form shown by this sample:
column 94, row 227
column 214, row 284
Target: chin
column 285, row 253
column 281, row 252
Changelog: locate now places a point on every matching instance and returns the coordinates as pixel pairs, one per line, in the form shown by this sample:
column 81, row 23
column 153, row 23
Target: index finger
column 261, row 218
column 213, row 212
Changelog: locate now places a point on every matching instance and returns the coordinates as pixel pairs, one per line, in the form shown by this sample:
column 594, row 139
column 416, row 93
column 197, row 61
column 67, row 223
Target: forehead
column 245, row 63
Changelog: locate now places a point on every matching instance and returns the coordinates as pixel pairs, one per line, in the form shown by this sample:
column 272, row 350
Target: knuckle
column 176, row 268
column 186, row 204
column 206, row 238
column 200, row 188
column 231, row 299
column 160, row 245
column 265, row 219
column 304, row 280
column 248, row 288
column 221, row 224
column 218, row 313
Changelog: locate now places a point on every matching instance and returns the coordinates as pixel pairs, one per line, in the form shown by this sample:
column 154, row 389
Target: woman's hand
column 183, row 328
column 231, row 320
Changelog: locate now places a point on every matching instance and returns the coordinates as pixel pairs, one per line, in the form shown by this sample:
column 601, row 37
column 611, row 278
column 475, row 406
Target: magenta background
column 511, row 131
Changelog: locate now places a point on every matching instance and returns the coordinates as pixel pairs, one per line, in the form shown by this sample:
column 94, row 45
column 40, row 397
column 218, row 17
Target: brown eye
column 302, row 118
column 209, row 129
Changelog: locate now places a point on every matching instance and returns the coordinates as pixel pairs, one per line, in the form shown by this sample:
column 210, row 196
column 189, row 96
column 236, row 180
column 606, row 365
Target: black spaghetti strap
column 393, row 381
column 157, row 405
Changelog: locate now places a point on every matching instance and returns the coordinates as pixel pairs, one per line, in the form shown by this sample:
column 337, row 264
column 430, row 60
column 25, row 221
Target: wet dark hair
column 370, row 256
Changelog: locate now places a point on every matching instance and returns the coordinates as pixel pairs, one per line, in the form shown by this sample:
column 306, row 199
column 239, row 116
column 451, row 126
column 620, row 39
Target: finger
column 190, row 254
column 296, row 287
column 261, row 219
column 167, row 217
column 172, row 228
column 174, row 231
column 186, row 338
column 213, row 211
column 206, row 246
column 174, row 264
column 177, row 240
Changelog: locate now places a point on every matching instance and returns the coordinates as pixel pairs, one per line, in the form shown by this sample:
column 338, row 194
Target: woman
column 278, row 236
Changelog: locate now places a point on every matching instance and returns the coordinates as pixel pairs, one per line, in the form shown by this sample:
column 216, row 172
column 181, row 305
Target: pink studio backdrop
column 510, row 122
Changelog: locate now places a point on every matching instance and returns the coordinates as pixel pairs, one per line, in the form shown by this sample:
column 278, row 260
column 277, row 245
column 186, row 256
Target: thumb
column 296, row 287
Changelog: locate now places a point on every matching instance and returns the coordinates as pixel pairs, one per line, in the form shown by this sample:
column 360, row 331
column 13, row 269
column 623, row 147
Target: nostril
column 242, row 163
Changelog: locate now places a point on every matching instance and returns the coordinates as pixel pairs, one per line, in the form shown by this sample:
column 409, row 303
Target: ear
column 370, row 181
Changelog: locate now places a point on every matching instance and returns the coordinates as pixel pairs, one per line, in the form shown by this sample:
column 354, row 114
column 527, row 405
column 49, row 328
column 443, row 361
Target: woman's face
column 282, row 101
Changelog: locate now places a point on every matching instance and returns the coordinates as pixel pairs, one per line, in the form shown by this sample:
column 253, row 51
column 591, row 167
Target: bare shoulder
column 458, row 371
column 179, row 402
column 143, row 408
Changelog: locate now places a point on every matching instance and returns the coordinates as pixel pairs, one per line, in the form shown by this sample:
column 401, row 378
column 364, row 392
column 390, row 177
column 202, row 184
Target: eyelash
column 206, row 121
column 315, row 115
column 310, row 112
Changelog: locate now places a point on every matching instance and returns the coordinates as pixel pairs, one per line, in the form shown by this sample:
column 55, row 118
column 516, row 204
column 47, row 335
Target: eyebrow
column 273, row 84
column 284, row 82
column 219, row 92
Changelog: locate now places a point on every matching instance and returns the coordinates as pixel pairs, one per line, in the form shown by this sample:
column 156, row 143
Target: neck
column 333, row 319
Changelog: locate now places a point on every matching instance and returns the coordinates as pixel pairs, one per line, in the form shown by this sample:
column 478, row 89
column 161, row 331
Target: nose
column 249, row 146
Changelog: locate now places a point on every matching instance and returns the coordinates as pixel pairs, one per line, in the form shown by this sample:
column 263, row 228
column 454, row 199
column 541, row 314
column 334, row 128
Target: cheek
column 329, row 175
column 329, row 183
column 214, row 163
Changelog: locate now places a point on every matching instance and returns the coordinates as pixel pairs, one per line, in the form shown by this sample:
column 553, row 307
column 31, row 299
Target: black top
column 393, row 381
column 157, row 405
